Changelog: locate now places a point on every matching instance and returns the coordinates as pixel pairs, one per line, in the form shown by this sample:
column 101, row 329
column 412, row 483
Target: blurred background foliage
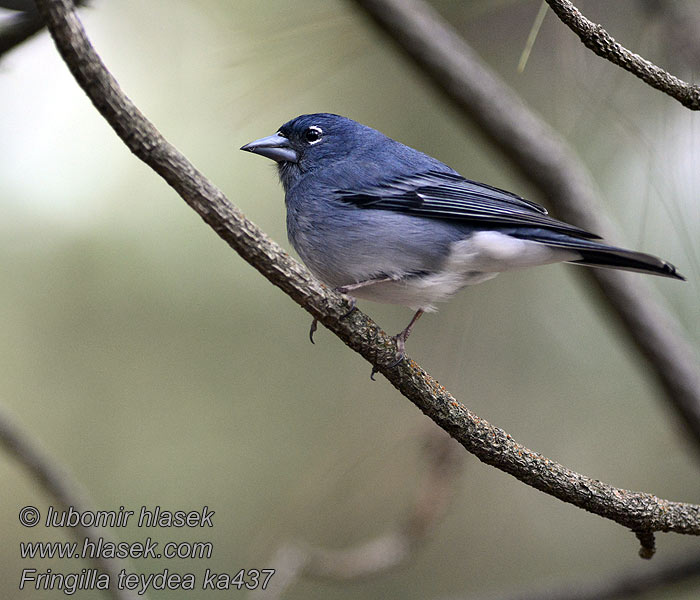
column 143, row 354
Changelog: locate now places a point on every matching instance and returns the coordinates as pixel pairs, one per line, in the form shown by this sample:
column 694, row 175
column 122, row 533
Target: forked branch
column 637, row 511
column 603, row 44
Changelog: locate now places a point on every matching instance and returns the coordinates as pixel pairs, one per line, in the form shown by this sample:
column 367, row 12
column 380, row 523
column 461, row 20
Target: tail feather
column 595, row 254
column 628, row 260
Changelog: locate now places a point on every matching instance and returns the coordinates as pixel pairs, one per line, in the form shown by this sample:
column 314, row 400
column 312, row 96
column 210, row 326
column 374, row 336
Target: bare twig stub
column 603, row 44
column 637, row 511
column 546, row 160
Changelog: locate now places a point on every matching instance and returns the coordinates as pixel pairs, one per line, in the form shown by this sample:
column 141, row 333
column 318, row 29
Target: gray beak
column 276, row 147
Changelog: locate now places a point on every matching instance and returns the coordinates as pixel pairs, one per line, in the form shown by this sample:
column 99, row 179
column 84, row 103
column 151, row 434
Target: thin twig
column 603, row 44
column 394, row 548
column 532, row 36
column 61, row 486
column 546, row 160
column 637, row 511
column 386, row 551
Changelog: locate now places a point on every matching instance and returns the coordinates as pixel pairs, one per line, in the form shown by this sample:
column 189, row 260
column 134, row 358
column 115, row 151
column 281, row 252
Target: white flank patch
column 495, row 252
column 471, row 261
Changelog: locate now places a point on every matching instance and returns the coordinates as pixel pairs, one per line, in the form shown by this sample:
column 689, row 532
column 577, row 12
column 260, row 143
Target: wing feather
column 447, row 195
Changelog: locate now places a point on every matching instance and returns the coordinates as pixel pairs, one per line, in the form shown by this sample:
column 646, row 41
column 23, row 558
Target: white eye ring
column 313, row 130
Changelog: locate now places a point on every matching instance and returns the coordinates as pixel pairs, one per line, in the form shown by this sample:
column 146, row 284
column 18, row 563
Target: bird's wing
column 446, row 195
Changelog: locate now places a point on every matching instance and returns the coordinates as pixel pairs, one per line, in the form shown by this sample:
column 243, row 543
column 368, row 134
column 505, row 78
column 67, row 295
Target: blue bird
column 378, row 220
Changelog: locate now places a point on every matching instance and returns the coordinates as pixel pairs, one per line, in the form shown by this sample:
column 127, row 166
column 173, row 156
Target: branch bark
column 542, row 156
column 638, row 511
column 603, row 44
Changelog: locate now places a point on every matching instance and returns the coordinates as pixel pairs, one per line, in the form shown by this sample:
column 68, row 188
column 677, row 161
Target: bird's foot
column 353, row 301
column 353, row 307
column 400, row 340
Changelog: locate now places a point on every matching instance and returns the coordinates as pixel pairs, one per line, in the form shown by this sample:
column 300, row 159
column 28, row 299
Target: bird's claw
column 312, row 330
column 400, row 350
column 353, row 301
column 314, row 323
column 353, row 307
column 400, row 353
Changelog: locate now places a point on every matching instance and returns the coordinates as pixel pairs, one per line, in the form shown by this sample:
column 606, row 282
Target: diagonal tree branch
column 638, row 511
column 603, row 44
column 59, row 483
column 547, row 161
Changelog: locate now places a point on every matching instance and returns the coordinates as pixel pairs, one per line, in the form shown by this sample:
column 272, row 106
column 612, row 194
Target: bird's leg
column 344, row 289
column 400, row 343
column 403, row 336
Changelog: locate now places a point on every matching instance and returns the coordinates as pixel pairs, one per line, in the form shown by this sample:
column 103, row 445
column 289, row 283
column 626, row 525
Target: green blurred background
column 150, row 360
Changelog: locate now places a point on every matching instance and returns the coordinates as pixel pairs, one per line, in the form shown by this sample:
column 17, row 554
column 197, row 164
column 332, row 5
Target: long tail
column 595, row 254
column 618, row 258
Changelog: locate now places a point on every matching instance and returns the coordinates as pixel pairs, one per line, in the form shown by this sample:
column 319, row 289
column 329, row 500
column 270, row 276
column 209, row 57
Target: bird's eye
column 313, row 134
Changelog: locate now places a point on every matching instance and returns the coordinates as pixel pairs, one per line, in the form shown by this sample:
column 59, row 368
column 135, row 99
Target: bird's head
column 311, row 142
